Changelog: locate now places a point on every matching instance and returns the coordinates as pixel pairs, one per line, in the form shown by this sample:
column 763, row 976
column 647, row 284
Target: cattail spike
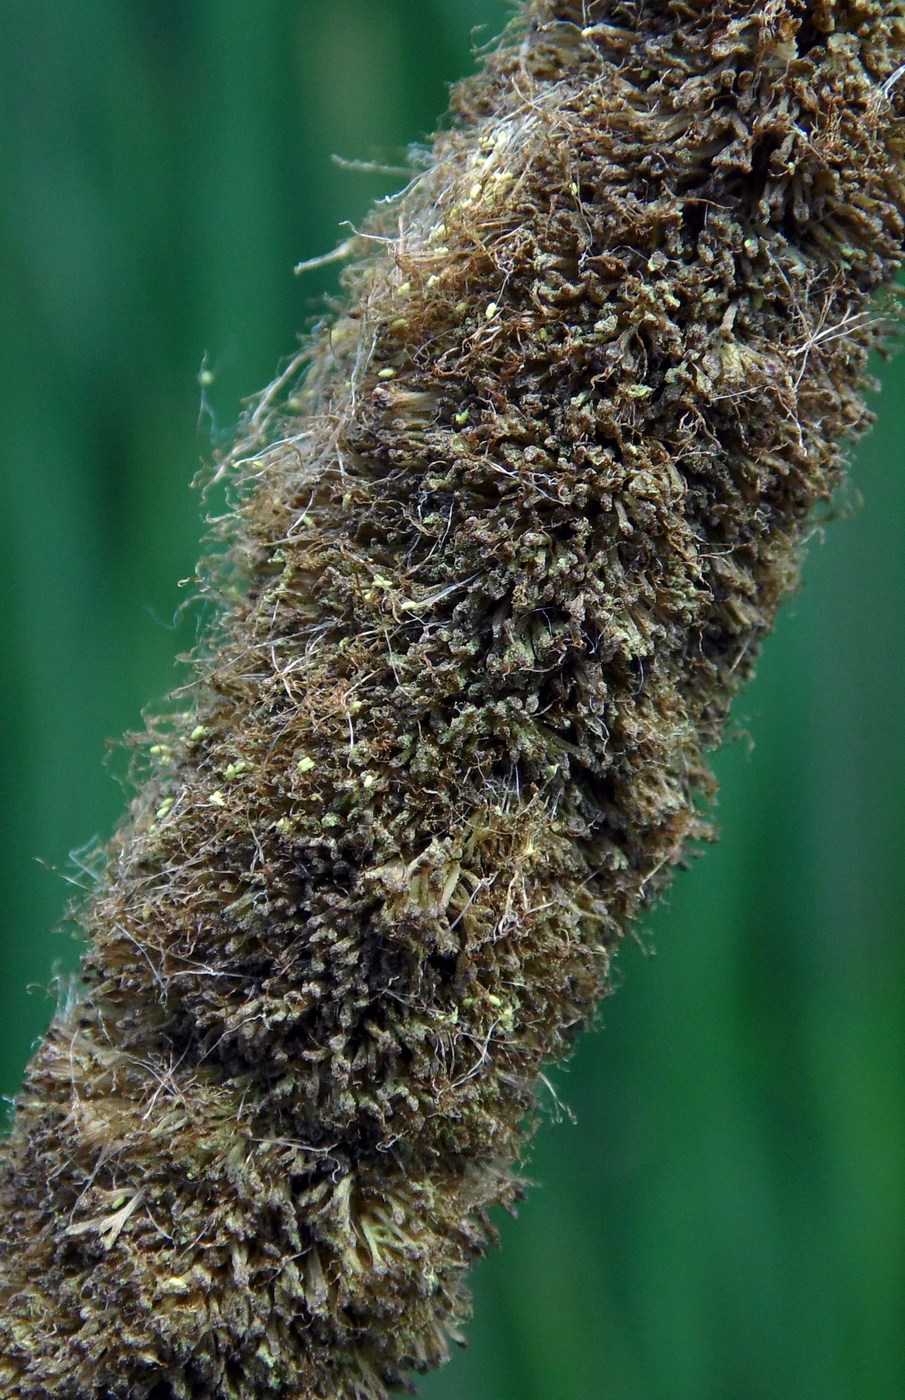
column 501, row 558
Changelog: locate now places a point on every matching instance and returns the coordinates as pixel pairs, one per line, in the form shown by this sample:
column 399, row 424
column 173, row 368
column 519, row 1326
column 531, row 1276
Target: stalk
column 505, row 543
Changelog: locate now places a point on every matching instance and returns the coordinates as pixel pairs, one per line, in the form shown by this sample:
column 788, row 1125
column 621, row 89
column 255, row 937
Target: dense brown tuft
column 508, row 551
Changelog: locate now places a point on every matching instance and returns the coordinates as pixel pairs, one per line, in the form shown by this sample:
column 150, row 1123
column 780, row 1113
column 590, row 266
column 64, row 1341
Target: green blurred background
column 726, row 1218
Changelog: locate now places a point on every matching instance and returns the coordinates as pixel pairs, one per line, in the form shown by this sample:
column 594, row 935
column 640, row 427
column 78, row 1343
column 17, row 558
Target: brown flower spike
column 505, row 556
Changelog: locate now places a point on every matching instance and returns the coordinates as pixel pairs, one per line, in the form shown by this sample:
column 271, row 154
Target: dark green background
column 725, row 1221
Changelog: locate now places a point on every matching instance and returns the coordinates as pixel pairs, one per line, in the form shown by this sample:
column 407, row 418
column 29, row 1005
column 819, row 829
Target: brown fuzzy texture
column 506, row 555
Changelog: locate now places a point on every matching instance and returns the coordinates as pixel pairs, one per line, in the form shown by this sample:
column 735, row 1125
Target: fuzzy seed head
column 502, row 554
